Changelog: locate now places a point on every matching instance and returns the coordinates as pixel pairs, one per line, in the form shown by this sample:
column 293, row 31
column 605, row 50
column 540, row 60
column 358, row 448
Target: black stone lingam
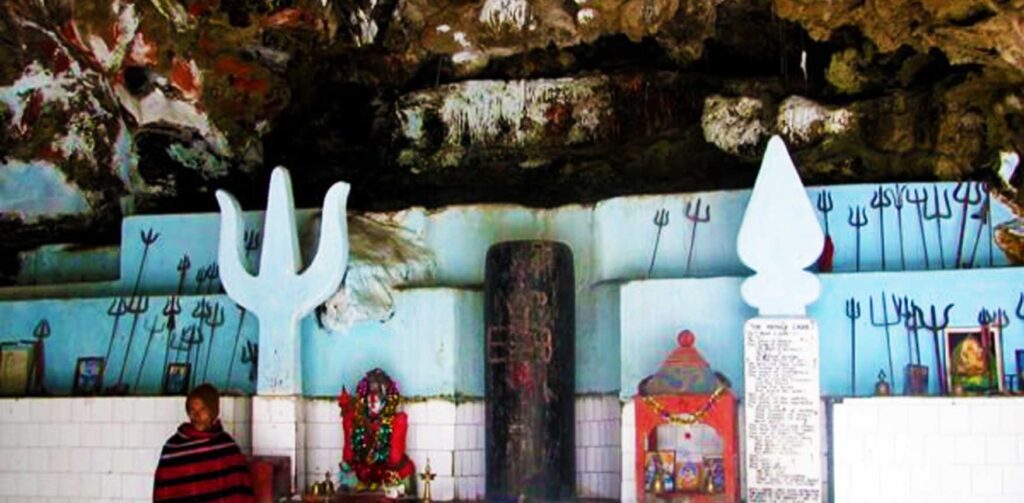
column 530, row 379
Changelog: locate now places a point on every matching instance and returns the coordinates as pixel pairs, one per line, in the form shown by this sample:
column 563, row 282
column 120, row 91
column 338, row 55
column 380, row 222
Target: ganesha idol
column 375, row 436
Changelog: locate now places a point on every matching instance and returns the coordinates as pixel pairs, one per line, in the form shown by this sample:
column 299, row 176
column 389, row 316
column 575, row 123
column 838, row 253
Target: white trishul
column 279, row 295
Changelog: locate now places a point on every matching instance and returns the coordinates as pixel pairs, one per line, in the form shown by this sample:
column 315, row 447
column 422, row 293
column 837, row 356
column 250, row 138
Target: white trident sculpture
column 278, row 295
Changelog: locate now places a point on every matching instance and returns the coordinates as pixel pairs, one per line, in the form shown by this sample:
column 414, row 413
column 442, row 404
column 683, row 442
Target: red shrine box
column 686, row 425
column 271, row 477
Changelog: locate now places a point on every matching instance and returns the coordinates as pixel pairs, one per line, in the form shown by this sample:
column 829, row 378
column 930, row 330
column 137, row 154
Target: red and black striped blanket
column 202, row 466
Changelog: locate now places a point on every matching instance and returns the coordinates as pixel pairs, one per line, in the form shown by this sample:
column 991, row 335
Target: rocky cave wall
column 114, row 107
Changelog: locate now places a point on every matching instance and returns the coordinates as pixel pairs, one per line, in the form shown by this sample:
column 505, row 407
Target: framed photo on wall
column 88, row 376
column 1019, row 354
column 974, row 360
column 15, row 363
column 176, row 378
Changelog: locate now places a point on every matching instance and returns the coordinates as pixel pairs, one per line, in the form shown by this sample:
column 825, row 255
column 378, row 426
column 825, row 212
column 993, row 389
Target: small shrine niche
column 686, row 440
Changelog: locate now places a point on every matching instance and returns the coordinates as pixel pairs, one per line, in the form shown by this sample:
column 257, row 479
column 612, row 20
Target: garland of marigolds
column 686, row 418
column 374, row 451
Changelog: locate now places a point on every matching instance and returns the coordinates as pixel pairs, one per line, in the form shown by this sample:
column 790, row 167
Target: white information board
column 782, row 410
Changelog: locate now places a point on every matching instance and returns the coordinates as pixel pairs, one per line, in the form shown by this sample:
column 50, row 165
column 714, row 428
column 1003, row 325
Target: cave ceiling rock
column 967, row 31
column 438, row 126
column 735, row 124
column 803, row 122
column 474, row 33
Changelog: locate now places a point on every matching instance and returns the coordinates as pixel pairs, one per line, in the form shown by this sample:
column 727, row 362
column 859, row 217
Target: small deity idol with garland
column 375, row 435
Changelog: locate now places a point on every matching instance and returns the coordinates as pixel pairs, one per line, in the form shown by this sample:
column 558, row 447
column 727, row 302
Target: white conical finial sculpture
column 278, row 295
column 779, row 237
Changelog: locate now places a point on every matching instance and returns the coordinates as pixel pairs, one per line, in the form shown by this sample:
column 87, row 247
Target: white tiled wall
column 92, row 449
column 279, row 429
column 929, row 449
column 598, row 447
column 452, row 436
column 106, row 449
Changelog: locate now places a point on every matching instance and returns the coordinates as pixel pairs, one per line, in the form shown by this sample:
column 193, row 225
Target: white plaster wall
column 93, row 449
column 929, row 450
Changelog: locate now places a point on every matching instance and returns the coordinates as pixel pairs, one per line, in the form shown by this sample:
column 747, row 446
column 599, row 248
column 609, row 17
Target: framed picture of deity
column 974, row 360
column 176, row 378
column 88, row 376
column 658, row 472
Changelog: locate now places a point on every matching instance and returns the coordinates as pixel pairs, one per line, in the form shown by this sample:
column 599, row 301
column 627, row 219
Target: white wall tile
column 70, row 485
column 939, row 449
column 956, row 480
column 122, row 409
column 441, row 463
column 137, row 486
column 984, row 417
column 463, row 436
column 461, row 415
column 475, row 436
column 111, row 435
column 155, row 434
column 955, row 418
column 80, row 459
column 260, row 410
column 427, row 437
column 70, row 434
column 144, row 410
column 26, row 484
column 47, row 484
column 440, row 412
column 28, row 434
column 467, row 488
column 1013, row 481
column 478, row 463
column 102, row 460
column 39, row 410
column 8, row 435
column 169, row 409
column 282, row 410
column 446, row 441
column 110, row 486
column 91, row 434
column 969, row 449
column 90, row 486
column 49, row 435
column 322, row 411
column 145, row 460
column 1010, row 413
column 20, row 411
column 417, row 412
column 38, row 460
column 443, row 488
column 59, row 459
column 122, row 461
column 6, row 411
column 60, row 410
column 986, row 481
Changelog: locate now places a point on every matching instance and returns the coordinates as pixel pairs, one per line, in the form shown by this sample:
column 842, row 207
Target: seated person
column 201, row 462
column 375, row 434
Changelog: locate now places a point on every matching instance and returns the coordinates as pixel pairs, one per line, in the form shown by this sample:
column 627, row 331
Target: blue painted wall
column 82, row 328
column 654, row 311
column 626, row 324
